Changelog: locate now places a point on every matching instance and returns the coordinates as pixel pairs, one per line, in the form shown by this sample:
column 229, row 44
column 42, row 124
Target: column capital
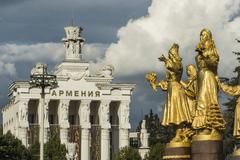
column 64, row 101
column 124, row 102
column 85, row 102
column 24, row 100
column 47, row 101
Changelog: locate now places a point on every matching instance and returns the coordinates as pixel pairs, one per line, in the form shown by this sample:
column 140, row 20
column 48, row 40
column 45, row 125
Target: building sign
column 75, row 93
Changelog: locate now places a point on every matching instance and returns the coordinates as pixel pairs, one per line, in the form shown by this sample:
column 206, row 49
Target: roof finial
column 72, row 19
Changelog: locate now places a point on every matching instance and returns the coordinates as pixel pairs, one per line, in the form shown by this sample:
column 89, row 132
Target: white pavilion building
column 85, row 109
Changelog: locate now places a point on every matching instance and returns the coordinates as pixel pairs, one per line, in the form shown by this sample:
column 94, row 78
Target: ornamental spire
column 73, row 43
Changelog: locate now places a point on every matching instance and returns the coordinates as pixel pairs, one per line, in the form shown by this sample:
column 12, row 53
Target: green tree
column 54, row 150
column 11, row 148
column 127, row 153
column 156, row 152
column 229, row 140
column 1, row 130
column 35, row 150
column 158, row 133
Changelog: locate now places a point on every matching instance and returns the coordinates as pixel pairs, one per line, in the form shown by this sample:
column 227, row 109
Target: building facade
column 85, row 109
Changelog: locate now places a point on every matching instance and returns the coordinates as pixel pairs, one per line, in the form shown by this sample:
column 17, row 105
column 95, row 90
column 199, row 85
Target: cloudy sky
column 127, row 34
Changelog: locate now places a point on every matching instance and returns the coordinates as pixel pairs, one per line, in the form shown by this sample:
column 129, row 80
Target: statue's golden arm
column 152, row 79
column 163, row 85
column 231, row 90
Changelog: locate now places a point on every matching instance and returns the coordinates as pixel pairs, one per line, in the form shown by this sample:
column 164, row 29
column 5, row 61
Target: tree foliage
column 35, row 150
column 127, row 153
column 54, row 150
column 158, row 133
column 156, row 152
column 11, row 148
column 1, row 130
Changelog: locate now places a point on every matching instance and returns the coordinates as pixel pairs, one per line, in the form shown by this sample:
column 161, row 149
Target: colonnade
column 84, row 122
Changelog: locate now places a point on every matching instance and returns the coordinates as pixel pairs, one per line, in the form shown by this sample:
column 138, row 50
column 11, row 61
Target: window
column 51, row 119
column 134, row 142
column 31, row 118
column 111, row 119
column 91, row 119
column 71, row 119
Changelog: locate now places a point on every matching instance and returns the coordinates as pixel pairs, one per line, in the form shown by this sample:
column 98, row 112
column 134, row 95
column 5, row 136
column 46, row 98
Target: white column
column 84, row 114
column 63, row 120
column 124, row 124
column 123, row 138
column 144, row 135
column 46, row 121
column 104, row 117
column 23, row 118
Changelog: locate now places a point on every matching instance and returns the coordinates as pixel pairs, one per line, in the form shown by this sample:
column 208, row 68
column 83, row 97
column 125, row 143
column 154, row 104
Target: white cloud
column 41, row 52
column 94, row 52
column 143, row 40
column 50, row 52
column 7, row 68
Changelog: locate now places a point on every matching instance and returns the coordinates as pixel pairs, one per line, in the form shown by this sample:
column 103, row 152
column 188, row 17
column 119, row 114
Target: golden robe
column 208, row 113
column 176, row 109
column 190, row 90
column 234, row 91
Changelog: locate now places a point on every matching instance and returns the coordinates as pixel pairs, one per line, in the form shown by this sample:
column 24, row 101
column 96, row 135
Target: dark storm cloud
column 35, row 21
column 43, row 21
column 4, row 3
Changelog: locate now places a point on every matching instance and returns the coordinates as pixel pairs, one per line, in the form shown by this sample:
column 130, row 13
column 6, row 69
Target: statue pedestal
column 177, row 151
column 206, row 147
column 236, row 155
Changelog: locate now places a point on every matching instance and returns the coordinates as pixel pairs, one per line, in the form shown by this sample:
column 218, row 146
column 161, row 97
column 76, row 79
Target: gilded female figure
column 208, row 117
column 234, row 91
column 176, row 109
column 190, row 87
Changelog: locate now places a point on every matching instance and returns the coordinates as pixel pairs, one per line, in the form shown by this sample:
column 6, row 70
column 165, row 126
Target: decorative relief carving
column 76, row 75
column 105, row 115
column 64, row 111
column 106, row 71
column 73, row 43
column 125, row 112
column 85, row 112
column 24, row 111
column 39, row 69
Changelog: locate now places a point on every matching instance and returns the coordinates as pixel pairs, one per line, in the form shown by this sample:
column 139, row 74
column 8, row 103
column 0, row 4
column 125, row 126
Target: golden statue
column 234, row 91
column 208, row 118
column 207, row 49
column 190, row 87
column 176, row 109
